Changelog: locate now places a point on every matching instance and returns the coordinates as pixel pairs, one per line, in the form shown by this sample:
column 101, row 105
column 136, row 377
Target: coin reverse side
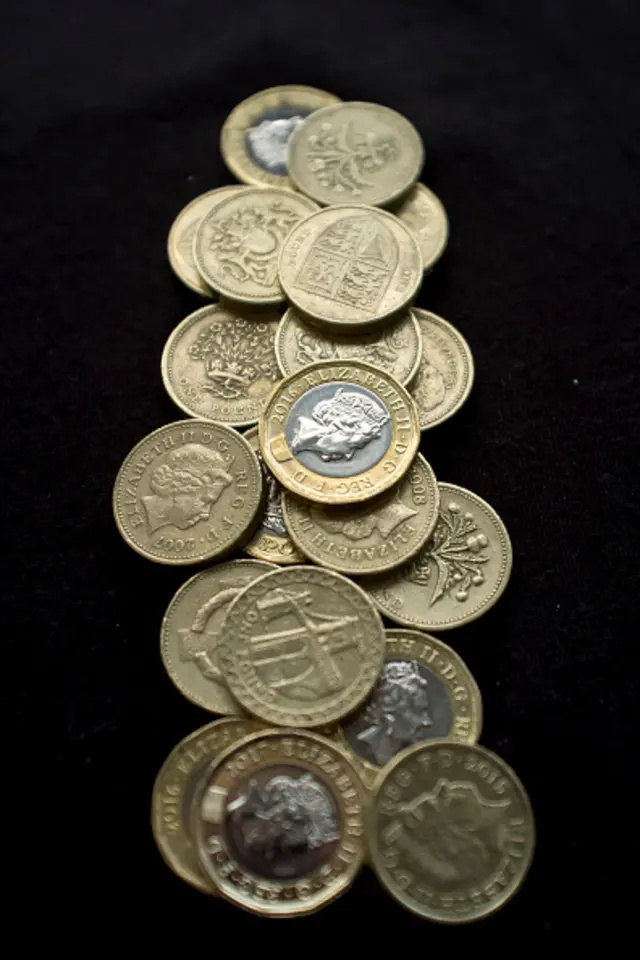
column 445, row 374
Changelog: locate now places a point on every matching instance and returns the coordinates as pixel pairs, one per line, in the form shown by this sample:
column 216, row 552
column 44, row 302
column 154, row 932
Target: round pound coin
column 355, row 153
column 301, row 647
column 339, row 432
column 450, row 830
column 425, row 216
column 188, row 492
column 445, row 374
column 278, row 822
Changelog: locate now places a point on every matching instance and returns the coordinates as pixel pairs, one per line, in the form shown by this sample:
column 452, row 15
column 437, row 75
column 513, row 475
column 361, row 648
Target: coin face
column 425, row 216
column 350, row 267
column 378, row 536
column 395, row 348
column 339, row 432
column 451, row 831
column 301, row 647
column 458, row 575
column 255, row 136
column 278, row 822
column 236, row 244
column 189, row 491
column 445, row 375
column 355, row 153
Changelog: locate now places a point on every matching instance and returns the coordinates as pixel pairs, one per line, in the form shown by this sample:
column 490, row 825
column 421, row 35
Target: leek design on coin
column 425, row 216
column 271, row 540
column 445, row 374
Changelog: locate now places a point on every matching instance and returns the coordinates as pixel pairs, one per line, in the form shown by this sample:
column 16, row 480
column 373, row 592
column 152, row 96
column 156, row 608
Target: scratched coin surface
column 445, row 374
column 220, row 364
column 188, row 492
column 350, row 267
column 301, row 646
column 339, row 432
column 278, row 822
column 375, row 537
column 426, row 217
column 451, row 831
column 236, row 245
column 355, row 153
column 459, row 574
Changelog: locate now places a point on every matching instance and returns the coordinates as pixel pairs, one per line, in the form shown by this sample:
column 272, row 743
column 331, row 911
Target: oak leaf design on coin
column 236, row 354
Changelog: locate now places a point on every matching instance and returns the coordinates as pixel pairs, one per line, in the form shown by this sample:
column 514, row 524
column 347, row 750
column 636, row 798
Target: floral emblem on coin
column 237, row 356
column 339, row 426
column 246, row 243
column 397, row 714
column 185, row 487
column 269, row 140
column 342, row 157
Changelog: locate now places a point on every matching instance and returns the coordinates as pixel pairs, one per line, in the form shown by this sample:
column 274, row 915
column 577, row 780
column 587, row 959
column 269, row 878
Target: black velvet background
column 530, row 113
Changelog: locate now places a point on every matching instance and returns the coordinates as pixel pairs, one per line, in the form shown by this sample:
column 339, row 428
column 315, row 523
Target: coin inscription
column 425, row 216
column 271, row 541
column 445, row 375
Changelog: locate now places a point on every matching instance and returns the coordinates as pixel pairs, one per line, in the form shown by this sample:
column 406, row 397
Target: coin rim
column 467, row 356
column 429, row 264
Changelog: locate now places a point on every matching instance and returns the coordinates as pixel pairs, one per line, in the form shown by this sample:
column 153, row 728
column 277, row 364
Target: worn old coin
column 301, row 646
column 350, row 267
column 237, row 243
column 426, row 217
column 188, row 492
column 339, row 432
column 445, row 375
column 220, row 364
column 355, row 153
column 255, row 136
column 451, row 831
column 278, row 821
column 458, row 575
column 376, row 537
column 395, row 348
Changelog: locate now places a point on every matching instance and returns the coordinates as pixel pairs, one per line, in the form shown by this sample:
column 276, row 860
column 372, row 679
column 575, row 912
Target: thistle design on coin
column 271, row 541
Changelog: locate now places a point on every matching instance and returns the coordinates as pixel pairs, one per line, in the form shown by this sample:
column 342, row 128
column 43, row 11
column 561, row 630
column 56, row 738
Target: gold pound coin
column 301, row 647
column 188, row 492
column 451, row 831
column 350, row 267
column 355, row 153
column 460, row 573
column 376, row 537
column 191, row 628
column 236, row 245
column 278, row 822
column 339, row 432
column 425, row 216
column 445, row 374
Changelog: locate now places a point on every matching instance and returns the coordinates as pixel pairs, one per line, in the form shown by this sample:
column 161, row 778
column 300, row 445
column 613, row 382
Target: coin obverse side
column 378, row 536
column 355, row 153
column 426, row 217
column 301, row 647
column 350, row 267
column 460, row 573
column 188, row 492
column 278, row 822
column 451, row 831
column 339, row 432
column 445, row 375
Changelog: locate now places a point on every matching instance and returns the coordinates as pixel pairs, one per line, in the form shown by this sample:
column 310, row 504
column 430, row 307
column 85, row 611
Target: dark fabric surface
column 530, row 114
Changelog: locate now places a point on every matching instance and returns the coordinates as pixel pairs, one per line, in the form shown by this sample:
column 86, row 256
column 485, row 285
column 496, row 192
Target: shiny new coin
column 425, row 216
column 445, row 374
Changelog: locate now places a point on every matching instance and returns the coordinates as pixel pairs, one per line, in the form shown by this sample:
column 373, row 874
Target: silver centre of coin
column 268, row 140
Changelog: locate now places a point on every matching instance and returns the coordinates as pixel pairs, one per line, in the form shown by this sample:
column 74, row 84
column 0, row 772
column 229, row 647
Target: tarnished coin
column 425, row 216
column 191, row 628
column 189, row 491
column 378, row 536
column 445, row 374
column 220, row 364
column 395, row 348
column 350, row 267
column 355, row 153
column 458, row 575
column 279, row 822
column 451, row 831
column 255, row 136
column 236, row 244
column 339, row 432
column 301, row 647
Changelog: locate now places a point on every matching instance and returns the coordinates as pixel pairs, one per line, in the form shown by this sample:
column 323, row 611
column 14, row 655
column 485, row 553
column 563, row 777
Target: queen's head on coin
column 185, row 486
column 269, row 141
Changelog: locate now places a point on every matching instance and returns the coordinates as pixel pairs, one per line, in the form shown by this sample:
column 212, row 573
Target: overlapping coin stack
column 340, row 739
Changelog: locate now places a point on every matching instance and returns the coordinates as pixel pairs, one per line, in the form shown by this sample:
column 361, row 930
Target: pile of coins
column 340, row 740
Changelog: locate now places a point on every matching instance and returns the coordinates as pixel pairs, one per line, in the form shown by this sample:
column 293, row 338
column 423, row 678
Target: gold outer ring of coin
column 311, row 485
column 431, row 247
column 331, row 767
column 432, row 327
column 476, row 771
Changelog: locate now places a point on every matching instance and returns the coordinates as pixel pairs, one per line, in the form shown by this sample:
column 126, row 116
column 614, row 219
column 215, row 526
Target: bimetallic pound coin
column 350, row 268
column 188, row 492
column 237, row 244
column 278, row 822
column 445, row 374
column 220, row 364
column 255, row 137
column 378, row 536
column 339, row 432
column 425, row 216
column 301, row 647
column 458, row 575
column 355, row 153
column 191, row 629
column 450, row 830
column 395, row 348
